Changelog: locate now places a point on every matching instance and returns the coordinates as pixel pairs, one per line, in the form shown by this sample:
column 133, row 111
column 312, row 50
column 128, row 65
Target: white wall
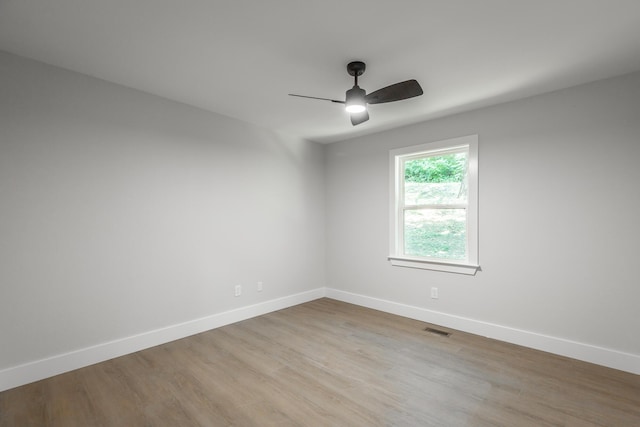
column 559, row 223
column 122, row 213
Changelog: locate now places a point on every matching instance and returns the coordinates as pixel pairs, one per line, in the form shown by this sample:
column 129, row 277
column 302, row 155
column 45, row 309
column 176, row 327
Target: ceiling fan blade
column 315, row 97
column 357, row 118
column 395, row 92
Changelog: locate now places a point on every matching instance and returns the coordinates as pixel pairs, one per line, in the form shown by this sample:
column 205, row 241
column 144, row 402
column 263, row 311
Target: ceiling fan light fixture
column 355, row 102
column 355, row 108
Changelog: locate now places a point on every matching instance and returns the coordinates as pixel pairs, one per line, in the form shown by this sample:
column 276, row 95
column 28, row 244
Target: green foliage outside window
column 438, row 234
column 445, row 168
column 435, row 232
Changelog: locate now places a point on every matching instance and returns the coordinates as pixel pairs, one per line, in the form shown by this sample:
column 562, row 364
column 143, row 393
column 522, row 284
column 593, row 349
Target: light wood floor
column 327, row 363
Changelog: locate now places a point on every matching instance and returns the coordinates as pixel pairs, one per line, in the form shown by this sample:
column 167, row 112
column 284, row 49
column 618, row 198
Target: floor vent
column 438, row 332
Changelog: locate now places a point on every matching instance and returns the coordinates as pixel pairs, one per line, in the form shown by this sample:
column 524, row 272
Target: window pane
column 436, row 179
column 435, row 233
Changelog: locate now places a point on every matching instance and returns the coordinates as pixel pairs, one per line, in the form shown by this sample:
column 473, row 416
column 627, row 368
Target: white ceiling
column 241, row 58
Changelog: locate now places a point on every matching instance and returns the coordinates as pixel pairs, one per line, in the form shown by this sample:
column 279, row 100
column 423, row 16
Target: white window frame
column 396, row 189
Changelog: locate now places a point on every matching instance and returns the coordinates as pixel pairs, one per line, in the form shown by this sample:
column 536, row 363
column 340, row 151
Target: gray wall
column 559, row 209
column 122, row 212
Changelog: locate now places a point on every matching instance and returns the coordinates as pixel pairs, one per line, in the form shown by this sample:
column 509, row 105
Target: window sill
column 450, row 267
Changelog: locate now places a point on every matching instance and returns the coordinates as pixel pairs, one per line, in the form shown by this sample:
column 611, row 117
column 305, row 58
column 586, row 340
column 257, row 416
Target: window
column 434, row 206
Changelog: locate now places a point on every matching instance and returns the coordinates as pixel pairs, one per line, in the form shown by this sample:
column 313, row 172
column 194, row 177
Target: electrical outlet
column 434, row 293
column 259, row 286
column 238, row 290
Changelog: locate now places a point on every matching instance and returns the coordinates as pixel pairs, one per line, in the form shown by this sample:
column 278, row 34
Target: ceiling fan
column 356, row 99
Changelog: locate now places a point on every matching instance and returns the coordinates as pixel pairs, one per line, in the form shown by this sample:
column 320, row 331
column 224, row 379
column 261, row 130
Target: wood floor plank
column 330, row 363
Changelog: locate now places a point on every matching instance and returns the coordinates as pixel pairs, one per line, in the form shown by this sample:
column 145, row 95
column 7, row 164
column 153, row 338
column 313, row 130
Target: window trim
column 471, row 264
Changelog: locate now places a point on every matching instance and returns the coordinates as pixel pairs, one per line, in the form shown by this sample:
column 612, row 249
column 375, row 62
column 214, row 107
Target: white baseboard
column 58, row 364
column 575, row 350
